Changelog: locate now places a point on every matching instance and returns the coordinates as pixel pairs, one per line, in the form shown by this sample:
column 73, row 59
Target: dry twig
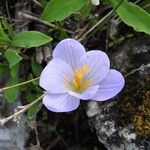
column 137, row 69
column 25, row 108
column 97, row 24
column 31, row 17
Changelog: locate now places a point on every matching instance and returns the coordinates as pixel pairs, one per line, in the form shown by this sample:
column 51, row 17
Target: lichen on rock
column 125, row 122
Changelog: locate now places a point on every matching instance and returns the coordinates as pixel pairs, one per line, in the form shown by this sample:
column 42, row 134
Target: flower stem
column 23, row 83
column 25, row 108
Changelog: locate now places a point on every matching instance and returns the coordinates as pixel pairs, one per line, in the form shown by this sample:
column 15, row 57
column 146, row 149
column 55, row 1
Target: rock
column 12, row 135
column 123, row 123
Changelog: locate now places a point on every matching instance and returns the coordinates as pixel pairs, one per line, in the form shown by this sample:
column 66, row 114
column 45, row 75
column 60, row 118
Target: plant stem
column 13, row 86
column 25, row 108
column 97, row 24
column 137, row 69
column 33, row 18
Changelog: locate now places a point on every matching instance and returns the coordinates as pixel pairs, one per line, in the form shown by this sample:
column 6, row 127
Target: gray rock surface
column 12, row 134
column 123, row 123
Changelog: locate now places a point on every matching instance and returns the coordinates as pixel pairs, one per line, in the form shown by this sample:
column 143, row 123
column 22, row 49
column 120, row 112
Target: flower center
column 79, row 82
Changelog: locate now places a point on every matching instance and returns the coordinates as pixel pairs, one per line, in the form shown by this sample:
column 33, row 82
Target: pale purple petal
column 56, row 76
column 98, row 63
column 70, row 51
column 110, row 86
column 87, row 94
column 60, row 102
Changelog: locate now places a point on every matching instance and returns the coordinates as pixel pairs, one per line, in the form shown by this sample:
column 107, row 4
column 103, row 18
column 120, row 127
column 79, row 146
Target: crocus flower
column 75, row 74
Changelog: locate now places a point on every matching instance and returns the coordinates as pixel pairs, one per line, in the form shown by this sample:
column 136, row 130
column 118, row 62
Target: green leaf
column 36, row 68
column 85, row 11
column 8, row 28
column 13, row 60
column 57, row 10
column 3, row 42
column 14, row 70
column 132, row 15
column 3, row 68
column 11, row 94
column 4, row 39
column 33, row 84
column 35, row 108
column 12, row 57
column 28, row 39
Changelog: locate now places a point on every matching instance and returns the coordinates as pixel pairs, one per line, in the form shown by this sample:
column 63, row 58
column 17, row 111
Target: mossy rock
column 124, row 121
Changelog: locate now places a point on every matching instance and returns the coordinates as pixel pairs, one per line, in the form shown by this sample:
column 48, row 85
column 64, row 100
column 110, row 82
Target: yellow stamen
column 85, row 68
column 79, row 83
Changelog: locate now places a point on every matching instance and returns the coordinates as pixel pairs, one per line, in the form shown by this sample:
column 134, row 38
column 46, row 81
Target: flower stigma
column 79, row 82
